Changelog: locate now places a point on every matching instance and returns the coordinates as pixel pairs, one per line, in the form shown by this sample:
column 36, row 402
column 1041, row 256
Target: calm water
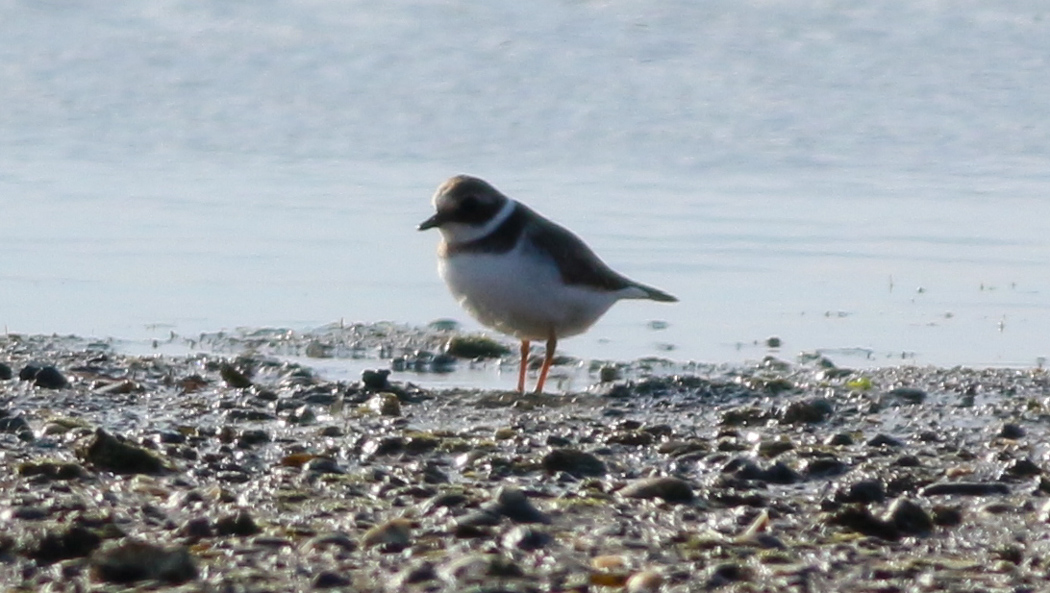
column 870, row 178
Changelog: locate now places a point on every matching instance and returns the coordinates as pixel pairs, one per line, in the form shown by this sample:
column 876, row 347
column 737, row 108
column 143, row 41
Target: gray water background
column 868, row 178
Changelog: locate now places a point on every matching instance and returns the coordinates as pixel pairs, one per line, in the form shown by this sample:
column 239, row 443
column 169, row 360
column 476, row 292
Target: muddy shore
column 231, row 468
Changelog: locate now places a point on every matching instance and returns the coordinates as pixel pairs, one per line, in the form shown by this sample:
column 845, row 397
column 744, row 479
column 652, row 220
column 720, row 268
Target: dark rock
column 169, row 437
column 251, row 437
column 443, row 500
column 50, row 378
column 443, row 363
column 53, row 470
column 133, row 562
column 391, row 537
column 376, row 380
column 780, row 473
column 241, row 524
column 480, row 518
column 478, row 568
column 514, row 505
column 385, row 404
column 320, row 399
column 824, row 467
column 862, row 521
column 1012, row 553
column 6, row 373
column 965, row 489
column 947, row 516
column 75, row 541
column 1022, row 468
column 383, row 446
column 807, row 412
column 909, row 518
column 840, row 439
column 15, row 424
column 631, row 438
column 28, row 372
column 242, row 415
column 727, row 572
column 327, row 579
column 29, row 513
column 270, row 541
column 864, row 492
column 908, row 395
column 744, row 469
column 884, row 440
column 771, row 448
column 197, row 528
column 685, row 448
column 1011, row 431
column 609, row 373
column 338, row 539
column 743, row 416
column 323, row 465
column 113, row 453
column 574, row 462
column 444, row 325
column 417, row 572
column 475, row 347
column 526, row 538
column 668, row 488
column 907, row 461
column 554, row 440
column 468, row 531
column 233, row 377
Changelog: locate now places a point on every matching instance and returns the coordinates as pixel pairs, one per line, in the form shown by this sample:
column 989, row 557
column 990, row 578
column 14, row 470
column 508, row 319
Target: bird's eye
column 469, row 204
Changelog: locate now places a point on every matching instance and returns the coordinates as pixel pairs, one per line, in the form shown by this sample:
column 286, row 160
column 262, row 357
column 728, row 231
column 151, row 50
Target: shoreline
column 242, row 469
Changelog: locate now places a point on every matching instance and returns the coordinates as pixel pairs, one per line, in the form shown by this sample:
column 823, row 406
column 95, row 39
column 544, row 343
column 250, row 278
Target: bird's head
column 464, row 208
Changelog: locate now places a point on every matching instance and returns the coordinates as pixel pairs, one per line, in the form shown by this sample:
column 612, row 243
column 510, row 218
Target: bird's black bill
column 432, row 222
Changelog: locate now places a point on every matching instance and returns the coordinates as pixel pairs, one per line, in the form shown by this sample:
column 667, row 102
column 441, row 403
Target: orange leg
column 524, row 365
column 548, row 357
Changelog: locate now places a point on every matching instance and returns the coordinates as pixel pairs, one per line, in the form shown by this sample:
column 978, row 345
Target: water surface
column 869, row 178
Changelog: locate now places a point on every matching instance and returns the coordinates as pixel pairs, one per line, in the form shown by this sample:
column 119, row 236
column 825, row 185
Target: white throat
column 457, row 232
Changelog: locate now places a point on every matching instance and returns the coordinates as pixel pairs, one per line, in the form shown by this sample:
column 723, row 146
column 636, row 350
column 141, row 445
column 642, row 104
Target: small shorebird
column 519, row 273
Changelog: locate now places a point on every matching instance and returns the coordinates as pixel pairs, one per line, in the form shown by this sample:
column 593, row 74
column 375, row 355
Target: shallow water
column 868, row 178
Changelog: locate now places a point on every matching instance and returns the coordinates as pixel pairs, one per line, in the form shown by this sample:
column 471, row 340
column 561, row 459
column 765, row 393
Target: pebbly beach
column 236, row 467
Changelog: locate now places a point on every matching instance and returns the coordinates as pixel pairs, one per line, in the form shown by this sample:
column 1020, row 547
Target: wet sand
column 232, row 467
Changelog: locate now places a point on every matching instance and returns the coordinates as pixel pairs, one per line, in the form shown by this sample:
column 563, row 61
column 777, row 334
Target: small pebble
column 376, row 380
column 668, row 488
column 574, row 462
column 526, row 538
column 864, row 492
column 28, row 372
column 514, row 505
column 908, row 517
column 965, row 489
column 50, row 378
column 1011, row 431
column 908, row 395
column 233, row 377
column 240, row 524
column 114, row 453
column 884, row 440
column 646, row 581
column 394, row 535
column 385, row 404
column 328, row 579
column 134, row 562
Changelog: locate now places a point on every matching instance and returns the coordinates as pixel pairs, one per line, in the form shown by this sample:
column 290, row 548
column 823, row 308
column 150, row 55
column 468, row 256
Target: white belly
column 521, row 295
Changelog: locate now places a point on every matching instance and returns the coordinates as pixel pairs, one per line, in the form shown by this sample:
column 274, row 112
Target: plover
column 519, row 273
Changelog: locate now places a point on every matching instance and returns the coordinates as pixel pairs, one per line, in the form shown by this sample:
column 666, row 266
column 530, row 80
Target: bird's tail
column 648, row 292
